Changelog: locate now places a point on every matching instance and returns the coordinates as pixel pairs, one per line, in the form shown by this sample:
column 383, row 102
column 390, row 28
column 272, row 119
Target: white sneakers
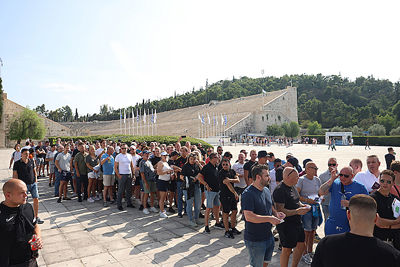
column 163, row 214
column 91, row 200
column 146, row 211
column 152, row 209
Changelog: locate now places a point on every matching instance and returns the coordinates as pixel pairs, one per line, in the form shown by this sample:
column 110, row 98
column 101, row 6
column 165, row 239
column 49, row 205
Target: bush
column 291, row 129
column 314, row 128
column 162, row 139
column 274, row 130
column 356, row 130
column 395, row 131
column 377, row 130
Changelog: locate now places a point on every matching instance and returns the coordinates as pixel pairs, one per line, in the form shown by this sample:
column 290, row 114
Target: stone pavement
column 87, row 234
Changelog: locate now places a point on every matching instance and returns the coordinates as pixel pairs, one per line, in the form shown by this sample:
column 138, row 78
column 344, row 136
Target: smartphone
column 375, row 186
column 183, row 136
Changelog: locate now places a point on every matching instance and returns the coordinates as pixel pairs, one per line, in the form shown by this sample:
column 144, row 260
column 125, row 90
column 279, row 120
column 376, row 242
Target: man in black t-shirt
column 228, row 197
column 24, row 169
column 179, row 163
column 291, row 232
column 358, row 247
column 247, row 167
column 17, row 227
column 389, row 157
column 209, row 178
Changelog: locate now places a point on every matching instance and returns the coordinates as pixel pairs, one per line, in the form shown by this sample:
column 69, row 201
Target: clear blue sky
column 87, row 53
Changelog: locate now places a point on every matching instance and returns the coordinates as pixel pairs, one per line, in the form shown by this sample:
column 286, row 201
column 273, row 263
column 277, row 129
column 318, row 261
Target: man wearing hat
column 294, row 163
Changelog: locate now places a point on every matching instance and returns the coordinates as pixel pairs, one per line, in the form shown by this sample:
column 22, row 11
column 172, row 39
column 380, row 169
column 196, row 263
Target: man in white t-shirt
column 272, row 173
column 124, row 169
column 101, row 150
column 238, row 168
column 369, row 178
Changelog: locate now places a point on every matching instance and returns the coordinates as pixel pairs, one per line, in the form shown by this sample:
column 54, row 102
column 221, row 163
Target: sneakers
column 192, row 224
column 141, row 207
column 96, row 198
column 207, row 229
column 152, row 209
column 229, row 234
column 180, row 215
column 235, row 231
column 90, row 200
column 163, row 214
column 219, row 225
column 146, row 211
column 74, row 195
column 105, row 204
column 120, row 208
column 307, row 258
column 59, row 200
column 79, row 199
column 171, row 210
column 39, row 221
column 112, row 202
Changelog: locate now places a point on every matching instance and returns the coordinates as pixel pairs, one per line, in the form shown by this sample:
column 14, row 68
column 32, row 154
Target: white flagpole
column 148, row 123
column 120, row 121
column 152, row 123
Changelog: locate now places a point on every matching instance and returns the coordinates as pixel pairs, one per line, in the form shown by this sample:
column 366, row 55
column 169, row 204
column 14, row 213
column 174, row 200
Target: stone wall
column 11, row 108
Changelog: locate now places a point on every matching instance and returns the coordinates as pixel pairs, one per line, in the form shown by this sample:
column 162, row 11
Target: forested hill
column 330, row 100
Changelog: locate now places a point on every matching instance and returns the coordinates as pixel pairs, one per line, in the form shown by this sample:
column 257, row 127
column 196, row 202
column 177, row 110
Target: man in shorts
column 148, row 175
column 107, row 161
column 259, row 215
column 209, row 178
column 291, row 232
column 24, row 169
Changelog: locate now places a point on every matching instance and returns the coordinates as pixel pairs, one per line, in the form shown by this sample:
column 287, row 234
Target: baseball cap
column 146, row 152
column 133, row 147
column 262, row 154
column 305, row 162
column 174, row 153
column 164, row 153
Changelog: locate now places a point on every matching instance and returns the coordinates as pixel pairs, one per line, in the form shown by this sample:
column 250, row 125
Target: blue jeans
column 32, row 188
column 57, row 181
column 260, row 251
column 180, row 194
column 196, row 204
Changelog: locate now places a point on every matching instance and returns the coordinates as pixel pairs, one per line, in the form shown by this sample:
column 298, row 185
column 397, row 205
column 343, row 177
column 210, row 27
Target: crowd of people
column 200, row 183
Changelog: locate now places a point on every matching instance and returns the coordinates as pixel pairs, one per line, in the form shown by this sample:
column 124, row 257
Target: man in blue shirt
column 259, row 215
column 107, row 161
column 341, row 190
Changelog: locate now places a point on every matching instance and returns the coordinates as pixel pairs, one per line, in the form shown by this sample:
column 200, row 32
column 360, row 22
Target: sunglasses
column 225, row 164
column 123, row 147
column 331, row 164
column 344, row 175
column 385, row 181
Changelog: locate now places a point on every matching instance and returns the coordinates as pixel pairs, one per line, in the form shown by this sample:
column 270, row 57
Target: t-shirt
column 179, row 162
column 76, row 151
column 81, row 163
column 50, row 155
column 248, row 165
column 14, row 247
column 40, row 152
column 238, row 168
column 308, row 187
column 260, row 203
column 148, row 170
column 154, row 160
column 337, row 221
column 289, row 196
column 16, row 155
column 210, row 173
column 367, row 179
column 350, row 250
column 395, row 191
column 389, row 158
column 25, row 170
column 222, row 174
column 190, row 170
column 108, row 165
column 324, row 177
column 272, row 184
column 124, row 163
column 64, row 161
column 92, row 161
column 384, row 209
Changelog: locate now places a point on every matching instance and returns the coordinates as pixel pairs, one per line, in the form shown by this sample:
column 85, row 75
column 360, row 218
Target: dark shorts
column 137, row 181
column 66, row 176
column 290, row 234
column 162, row 185
column 202, row 188
column 239, row 190
column 228, row 204
column 172, row 186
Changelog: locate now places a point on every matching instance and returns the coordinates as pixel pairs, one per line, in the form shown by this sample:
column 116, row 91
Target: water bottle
column 343, row 198
column 34, row 246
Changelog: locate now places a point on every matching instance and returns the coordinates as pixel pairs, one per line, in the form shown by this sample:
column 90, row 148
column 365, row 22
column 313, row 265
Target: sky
column 93, row 52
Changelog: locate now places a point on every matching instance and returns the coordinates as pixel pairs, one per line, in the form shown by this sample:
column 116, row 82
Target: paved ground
column 86, row 234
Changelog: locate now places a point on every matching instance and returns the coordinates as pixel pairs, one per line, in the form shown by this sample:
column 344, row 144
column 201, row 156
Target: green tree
column 291, row 129
column 396, row 109
column 314, row 128
column 377, row 130
column 388, row 121
column 41, row 110
column 395, row 131
column 356, row 130
column 26, row 124
column 76, row 114
column 274, row 130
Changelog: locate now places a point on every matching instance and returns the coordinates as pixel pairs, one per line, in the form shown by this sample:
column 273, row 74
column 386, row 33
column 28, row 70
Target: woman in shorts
column 92, row 162
column 164, row 172
column 16, row 155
